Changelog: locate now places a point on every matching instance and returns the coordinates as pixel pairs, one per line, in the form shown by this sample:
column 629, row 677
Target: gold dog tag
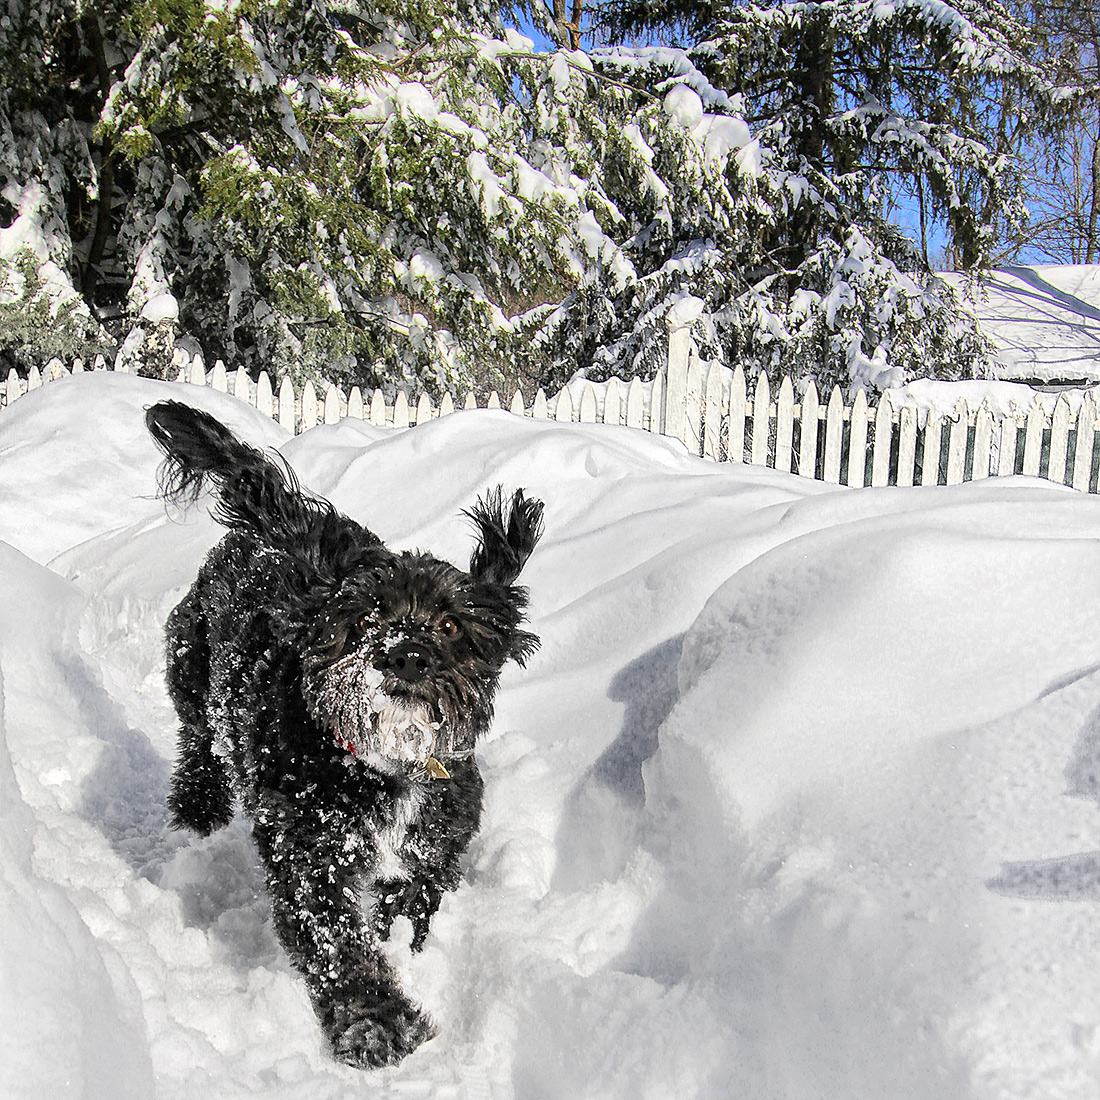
column 436, row 769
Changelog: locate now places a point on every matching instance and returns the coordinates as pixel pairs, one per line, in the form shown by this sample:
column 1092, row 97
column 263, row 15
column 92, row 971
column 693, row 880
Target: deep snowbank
column 799, row 799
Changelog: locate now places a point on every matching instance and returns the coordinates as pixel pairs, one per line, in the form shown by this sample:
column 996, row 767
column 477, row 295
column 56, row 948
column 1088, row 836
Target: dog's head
column 410, row 649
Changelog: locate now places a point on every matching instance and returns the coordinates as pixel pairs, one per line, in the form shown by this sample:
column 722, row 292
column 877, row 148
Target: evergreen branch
column 588, row 72
column 517, row 55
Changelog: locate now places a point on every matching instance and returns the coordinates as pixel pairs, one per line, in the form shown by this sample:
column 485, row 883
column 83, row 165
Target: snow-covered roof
column 1044, row 320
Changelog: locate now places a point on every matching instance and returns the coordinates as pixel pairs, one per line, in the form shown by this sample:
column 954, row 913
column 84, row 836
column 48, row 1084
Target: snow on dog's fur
column 335, row 689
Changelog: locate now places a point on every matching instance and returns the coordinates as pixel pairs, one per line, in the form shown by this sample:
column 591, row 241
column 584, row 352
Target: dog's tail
column 253, row 493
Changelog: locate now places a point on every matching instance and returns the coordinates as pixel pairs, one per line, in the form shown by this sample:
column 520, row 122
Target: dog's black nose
column 407, row 662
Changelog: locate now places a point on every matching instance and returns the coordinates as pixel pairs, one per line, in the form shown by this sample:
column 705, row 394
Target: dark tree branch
column 106, row 180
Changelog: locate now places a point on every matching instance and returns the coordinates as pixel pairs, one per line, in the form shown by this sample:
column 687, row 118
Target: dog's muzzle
column 347, row 698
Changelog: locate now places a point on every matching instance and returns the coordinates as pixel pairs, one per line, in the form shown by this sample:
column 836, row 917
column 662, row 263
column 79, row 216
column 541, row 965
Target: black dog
column 336, row 689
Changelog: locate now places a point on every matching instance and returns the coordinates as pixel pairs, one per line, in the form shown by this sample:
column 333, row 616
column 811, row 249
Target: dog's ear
column 507, row 533
column 524, row 645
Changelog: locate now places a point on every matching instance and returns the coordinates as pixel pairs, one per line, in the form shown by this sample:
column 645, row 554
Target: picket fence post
column 735, row 441
column 676, row 379
column 635, row 404
column 656, row 422
column 1059, row 440
column 933, row 448
column 1006, row 444
column 760, row 404
column 834, row 434
column 242, row 388
column 907, row 445
column 857, row 441
column 331, row 413
column 956, row 443
column 1033, row 437
column 1083, row 449
column 712, row 413
column 808, row 421
column 784, row 426
column 309, row 406
column 286, row 405
column 983, row 442
column 400, row 410
column 884, row 429
column 693, row 405
column 13, row 388
column 587, row 413
column 612, row 402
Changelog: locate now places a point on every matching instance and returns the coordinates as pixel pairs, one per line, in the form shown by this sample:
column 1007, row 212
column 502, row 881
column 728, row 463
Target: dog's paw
column 199, row 797
column 381, row 1036
column 416, row 900
column 199, row 816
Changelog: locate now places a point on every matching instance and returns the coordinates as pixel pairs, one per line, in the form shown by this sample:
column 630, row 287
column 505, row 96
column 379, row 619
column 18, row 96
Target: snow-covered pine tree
column 405, row 192
column 44, row 158
column 389, row 192
column 853, row 105
column 666, row 154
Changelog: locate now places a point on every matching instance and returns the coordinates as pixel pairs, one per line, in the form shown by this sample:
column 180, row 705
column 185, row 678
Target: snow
column 1044, row 320
column 799, row 799
column 683, row 106
column 717, row 135
column 417, row 100
column 425, row 265
column 485, row 184
column 30, row 234
column 513, row 42
column 560, row 74
column 161, row 307
column 685, row 310
column 750, row 159
column 1003, row 398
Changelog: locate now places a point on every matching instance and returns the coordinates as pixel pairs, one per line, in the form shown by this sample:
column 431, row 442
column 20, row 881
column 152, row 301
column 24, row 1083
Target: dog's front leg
column 318, row 920
column 200, row 797
column 436, row 842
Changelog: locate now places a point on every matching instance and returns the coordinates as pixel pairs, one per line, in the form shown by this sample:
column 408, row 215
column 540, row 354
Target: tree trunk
column 575, row 25
column 1094, row 203
column 815, row 59
column 816, row 64
column 106, row 180
column 561, row 24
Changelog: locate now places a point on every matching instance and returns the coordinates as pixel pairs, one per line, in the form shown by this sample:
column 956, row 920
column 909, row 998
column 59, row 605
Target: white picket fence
column 712, row 411
column 861, row 444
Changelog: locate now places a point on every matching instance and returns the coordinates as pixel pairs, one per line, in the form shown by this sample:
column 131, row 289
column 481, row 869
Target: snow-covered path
column 800, row 798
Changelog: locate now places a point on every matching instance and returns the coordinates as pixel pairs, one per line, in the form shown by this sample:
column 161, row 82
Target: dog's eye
column 448, row 627
column 364, row 624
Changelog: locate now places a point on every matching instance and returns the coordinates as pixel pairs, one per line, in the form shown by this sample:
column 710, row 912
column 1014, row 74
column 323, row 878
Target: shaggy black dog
column 336, row 689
